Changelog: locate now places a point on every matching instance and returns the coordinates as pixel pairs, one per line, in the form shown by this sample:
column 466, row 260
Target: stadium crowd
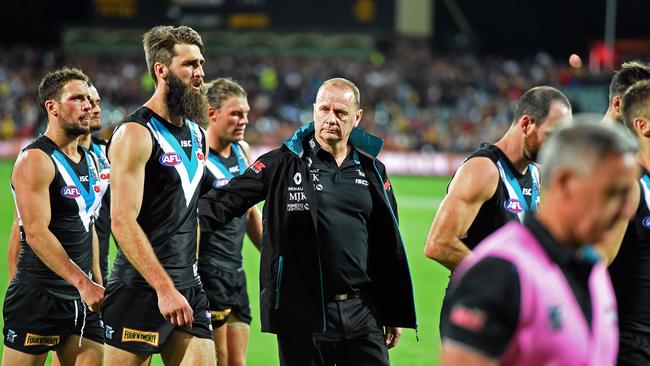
column 415, row 100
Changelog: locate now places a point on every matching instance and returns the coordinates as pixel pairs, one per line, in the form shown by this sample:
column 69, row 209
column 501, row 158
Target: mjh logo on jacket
column 70, row 191
column 513, row 205
column 170, row 159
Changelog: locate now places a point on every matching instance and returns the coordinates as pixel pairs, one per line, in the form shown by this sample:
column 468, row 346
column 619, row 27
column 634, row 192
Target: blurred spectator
column 415, row 100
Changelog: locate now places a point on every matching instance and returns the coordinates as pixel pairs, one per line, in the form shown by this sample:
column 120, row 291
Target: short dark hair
column 581, row 147
column 635, row 103
column 159, row 44
column 52, row 84
column 219, row 90
column 626, row 76
column 536, row 103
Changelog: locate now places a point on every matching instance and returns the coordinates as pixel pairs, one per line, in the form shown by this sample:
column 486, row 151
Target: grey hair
column 581, row 146
column 344, row 82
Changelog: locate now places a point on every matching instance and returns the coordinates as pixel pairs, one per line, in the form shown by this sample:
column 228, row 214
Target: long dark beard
column 184, row 101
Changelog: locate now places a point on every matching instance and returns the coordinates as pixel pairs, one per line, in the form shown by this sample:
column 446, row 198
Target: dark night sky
column 507, row 27
column 516, row 27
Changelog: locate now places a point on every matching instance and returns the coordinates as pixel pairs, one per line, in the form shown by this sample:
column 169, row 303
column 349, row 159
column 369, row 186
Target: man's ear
column 526, row 124
column 616, row 103
column 52, row 107
column 642, row 126
column 161, row 70
column 212, row 113
column 357, row 117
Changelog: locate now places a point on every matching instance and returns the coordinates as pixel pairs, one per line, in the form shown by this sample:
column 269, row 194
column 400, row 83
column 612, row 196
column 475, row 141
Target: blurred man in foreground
column 537, row 293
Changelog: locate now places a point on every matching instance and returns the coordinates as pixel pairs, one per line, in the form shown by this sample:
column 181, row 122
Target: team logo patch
column 108, row 332
column 170, row 159
column 97, row 188
column 257, row 167
column 555, row 318
column 41, row 340
column 513, row 205
column 11, row 336
column 70, row 191
column 200, row 156
column 134, row 335
column 472, row 319
column 646, row 222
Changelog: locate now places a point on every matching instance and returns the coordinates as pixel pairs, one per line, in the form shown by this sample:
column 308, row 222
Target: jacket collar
column 366, row 143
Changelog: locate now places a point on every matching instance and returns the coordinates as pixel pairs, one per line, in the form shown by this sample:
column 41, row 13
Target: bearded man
column 154, row 299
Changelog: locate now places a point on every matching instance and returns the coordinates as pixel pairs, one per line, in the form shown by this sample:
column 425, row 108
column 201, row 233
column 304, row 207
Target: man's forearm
column 138, row 250
column 97, row 272
column 452, row 253
column 48, row 248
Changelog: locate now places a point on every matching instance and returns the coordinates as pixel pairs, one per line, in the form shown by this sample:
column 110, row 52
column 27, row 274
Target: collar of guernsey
column 645, row 185
column 188, row 170
column 218, row 166
column 101, row 155
column 87, row 198
column 515, row 190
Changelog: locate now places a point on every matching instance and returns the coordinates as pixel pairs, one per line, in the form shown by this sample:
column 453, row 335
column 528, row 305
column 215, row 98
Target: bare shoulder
column 132, row 140
column 475, row 180
column 33, row 167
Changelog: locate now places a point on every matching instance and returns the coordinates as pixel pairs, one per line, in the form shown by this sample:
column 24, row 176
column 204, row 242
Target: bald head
column 341, row 83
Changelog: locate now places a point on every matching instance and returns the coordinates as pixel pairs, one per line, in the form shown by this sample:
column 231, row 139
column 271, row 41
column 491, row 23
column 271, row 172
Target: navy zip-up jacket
column 292, row 298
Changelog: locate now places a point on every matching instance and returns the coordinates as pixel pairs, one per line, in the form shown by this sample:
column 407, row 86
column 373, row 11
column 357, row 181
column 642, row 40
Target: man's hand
column 391, row 335
column 92, row 294
column 174, row 307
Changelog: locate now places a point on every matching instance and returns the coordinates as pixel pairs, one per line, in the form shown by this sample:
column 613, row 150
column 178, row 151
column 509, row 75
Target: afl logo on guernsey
column 513, row 205
column 219, row 182
column 170, row 159
column 646, row 222
column 70, row 192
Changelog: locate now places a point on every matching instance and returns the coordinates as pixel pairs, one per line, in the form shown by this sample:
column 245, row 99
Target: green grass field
column 417, row 198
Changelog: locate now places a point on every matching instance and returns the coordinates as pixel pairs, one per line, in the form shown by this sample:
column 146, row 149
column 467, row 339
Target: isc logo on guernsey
column 70, row 192
column 170, row 159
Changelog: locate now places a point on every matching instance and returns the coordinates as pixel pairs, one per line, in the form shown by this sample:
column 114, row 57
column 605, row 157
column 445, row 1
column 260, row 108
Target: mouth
column 197, row 84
